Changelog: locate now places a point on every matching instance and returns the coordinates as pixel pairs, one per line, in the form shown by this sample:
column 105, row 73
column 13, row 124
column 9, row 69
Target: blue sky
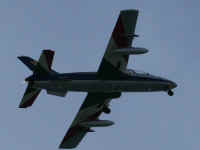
column 79, row 31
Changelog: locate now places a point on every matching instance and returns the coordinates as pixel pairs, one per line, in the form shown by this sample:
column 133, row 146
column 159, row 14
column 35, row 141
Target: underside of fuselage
column 89, row 82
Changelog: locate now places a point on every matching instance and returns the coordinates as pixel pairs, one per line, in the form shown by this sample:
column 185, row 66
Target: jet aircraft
column 111, row 79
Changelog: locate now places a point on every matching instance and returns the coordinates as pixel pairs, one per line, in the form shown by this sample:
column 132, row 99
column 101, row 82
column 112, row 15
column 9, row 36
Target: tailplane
column 30, row 96
column 39, row 68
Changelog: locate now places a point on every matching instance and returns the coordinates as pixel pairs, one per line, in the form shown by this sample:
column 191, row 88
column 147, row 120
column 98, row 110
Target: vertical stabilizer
column 46, row 59
column 43, row 65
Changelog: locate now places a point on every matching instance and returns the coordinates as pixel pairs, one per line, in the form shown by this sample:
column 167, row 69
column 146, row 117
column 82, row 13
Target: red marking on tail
column 119, row 34
column 49, row 54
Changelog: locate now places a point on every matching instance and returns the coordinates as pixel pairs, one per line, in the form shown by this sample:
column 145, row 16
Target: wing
column 90, row 110
column 122, row 37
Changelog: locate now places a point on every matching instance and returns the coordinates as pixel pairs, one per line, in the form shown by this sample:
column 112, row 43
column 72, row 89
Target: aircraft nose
column 172, row 85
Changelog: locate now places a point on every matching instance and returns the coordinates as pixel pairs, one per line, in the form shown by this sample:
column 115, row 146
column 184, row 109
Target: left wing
column 90, row 111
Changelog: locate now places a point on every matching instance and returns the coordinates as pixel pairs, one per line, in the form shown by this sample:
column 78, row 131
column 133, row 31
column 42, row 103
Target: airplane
column 111, row 79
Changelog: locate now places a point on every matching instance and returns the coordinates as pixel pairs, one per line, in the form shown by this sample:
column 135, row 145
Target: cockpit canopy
column 132, row 72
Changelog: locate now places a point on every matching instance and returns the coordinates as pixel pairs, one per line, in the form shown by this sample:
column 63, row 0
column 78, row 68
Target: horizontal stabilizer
column 29, row 62
column 29, row 96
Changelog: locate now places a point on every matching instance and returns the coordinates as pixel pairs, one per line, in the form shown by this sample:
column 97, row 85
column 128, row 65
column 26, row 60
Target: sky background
column 79, row 31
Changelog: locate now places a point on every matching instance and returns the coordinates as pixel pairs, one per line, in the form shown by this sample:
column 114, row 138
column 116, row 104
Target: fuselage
column 90, row 82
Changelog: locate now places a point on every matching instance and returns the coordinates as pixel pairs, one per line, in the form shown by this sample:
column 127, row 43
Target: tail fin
column 45, row 60
column 42, row 67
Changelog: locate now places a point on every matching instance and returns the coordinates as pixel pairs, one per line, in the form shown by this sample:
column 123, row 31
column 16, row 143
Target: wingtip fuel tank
column 97, row 123
column 131, row 51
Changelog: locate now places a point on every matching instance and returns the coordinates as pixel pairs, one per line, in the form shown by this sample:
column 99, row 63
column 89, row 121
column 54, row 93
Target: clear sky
column 79, row 31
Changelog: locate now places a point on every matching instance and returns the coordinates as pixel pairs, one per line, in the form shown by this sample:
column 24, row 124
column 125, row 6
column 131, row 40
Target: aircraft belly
column 102, row 86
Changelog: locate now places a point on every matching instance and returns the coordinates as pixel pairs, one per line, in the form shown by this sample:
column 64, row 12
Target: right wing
column 90, row 110
column 122, row 36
